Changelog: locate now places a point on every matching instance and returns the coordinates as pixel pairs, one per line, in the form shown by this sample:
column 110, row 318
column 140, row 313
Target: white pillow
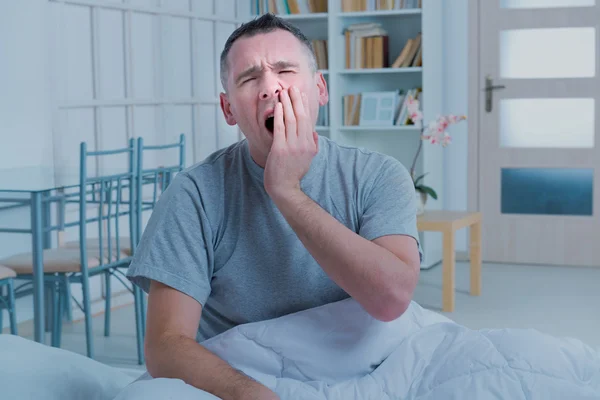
column 30, row 370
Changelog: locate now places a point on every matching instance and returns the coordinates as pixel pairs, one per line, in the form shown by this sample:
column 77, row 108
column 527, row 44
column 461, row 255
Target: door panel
column 545, row 3
column 547, row 53
column 539, row 188
column 542, row 123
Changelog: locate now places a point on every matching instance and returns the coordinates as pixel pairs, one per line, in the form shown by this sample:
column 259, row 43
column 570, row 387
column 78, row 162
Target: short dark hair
column 264, row 24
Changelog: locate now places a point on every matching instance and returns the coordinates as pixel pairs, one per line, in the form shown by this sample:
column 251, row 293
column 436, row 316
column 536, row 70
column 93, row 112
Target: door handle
column 489, row 89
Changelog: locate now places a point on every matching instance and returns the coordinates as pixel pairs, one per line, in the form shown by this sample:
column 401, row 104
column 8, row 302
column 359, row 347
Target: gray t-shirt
column 216, row 235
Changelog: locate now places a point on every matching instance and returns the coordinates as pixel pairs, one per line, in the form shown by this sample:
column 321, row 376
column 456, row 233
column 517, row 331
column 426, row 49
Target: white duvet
column 338, row 351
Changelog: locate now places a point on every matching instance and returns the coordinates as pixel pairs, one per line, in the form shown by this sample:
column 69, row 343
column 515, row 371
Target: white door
column 539, row 157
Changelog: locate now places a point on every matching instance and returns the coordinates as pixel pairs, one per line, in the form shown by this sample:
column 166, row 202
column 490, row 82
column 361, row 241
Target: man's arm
column 172, row 351
column 381, row 274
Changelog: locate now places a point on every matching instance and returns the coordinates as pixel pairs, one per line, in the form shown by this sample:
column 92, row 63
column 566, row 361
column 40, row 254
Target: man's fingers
column 300, row 104
column 289, row 118
column 305, row 105
column 306, row 124
column 278, row 126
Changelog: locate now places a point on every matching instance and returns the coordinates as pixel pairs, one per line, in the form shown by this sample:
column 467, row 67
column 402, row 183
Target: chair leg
column 137, row 293
column 12, row 308
column 67, row 299
column 57, row 316
column 107, row 297
column 61, row 311
column 87, row 311
column 143, row 311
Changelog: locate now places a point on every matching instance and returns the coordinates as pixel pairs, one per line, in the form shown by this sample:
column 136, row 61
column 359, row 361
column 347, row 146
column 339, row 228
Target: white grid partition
column 130, row 68
column 149, row 74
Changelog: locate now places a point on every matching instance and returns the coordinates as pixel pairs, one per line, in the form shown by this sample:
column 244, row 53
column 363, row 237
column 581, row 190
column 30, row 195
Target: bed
column 339, row 352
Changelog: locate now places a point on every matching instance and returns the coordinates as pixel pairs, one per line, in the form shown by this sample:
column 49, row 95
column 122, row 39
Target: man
column 283, row 221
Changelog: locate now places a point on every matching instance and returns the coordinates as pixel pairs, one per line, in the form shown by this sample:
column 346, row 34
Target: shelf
column 385, row 13
column 394, row 128
column 381, row 71
column 304, row 17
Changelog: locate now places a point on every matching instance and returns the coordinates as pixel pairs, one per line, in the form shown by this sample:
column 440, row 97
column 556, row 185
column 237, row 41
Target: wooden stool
column 448, row 222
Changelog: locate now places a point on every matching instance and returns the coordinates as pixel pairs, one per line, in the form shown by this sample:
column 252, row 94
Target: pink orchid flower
column 435, row 131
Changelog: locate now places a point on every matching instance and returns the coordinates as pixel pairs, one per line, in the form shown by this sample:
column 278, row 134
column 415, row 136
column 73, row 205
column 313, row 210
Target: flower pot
column 421, row 198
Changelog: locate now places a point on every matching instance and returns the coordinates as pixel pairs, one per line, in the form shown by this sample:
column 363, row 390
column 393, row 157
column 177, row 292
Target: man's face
column 260, row 67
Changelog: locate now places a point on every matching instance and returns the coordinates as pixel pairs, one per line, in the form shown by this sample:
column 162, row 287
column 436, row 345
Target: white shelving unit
column 400, row 142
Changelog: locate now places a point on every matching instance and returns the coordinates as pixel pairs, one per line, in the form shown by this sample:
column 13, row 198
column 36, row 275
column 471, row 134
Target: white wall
column 456, row 70
column 46, row 74
column 25, row 130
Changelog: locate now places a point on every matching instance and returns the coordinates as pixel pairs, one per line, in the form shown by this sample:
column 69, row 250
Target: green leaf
column 428, row 190
column 419, row 178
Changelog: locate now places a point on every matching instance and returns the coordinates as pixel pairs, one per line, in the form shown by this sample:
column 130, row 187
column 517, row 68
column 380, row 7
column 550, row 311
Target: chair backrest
column 157, row 178
column 114, row 193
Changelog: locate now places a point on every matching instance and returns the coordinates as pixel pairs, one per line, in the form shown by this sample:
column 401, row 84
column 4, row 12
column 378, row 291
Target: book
column 379, row 5
column 367, row 46
column 411, row 54
column 287, row 7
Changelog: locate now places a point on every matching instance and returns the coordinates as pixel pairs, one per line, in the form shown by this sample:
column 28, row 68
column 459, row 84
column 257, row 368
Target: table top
column 437, row 220
column 37, row 179
column 43, row 178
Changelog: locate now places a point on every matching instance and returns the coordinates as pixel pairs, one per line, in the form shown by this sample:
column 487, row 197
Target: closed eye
column 284, row 71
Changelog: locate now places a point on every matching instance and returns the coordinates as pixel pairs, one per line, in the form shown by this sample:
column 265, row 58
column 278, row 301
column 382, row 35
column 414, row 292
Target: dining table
column 37, row 188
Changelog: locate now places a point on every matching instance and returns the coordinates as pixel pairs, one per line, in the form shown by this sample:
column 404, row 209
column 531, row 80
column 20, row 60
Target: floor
column 560, row 301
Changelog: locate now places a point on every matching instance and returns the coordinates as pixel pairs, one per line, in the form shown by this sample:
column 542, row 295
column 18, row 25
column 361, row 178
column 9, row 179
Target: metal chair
column 114, row 195
column 157, row 178
column 8, row 301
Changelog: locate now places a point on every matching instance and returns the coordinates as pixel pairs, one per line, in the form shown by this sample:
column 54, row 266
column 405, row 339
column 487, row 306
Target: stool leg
column 448, row 268
column 107, row 305
column 12, row 308
column 137, row 293
column 61, row 313
column 67, row 299
column 475, row 250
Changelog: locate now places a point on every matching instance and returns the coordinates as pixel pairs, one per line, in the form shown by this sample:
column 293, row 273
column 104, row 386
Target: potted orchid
column 436, row 133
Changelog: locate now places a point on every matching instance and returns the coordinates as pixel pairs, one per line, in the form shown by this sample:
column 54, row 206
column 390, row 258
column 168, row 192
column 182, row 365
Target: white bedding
column 339, row 352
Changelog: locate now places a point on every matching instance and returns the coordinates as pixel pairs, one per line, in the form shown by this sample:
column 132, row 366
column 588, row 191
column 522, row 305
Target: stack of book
column 388, row 108
column 411, row 55
column 367, row 46
column 320, row 50
column 287, row 7
column 379, row 5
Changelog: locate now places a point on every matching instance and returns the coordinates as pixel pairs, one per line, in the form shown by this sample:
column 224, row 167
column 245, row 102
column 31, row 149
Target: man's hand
column 295, row 144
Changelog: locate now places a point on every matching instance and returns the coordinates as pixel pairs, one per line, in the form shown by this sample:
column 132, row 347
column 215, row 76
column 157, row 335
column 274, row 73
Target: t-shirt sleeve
column 175, row 248
column 390, row 206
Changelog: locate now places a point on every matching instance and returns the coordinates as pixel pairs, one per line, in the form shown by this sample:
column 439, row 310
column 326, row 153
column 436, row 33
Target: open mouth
column 270, row 123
